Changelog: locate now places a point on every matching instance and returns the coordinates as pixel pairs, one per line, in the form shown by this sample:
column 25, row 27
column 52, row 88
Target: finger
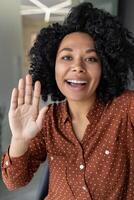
column 14, row 99
column 28, row 91
column 41, row 116
column 21, row 92
column 36, row 95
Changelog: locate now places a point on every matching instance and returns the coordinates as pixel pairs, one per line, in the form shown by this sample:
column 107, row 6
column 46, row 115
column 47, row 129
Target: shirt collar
column 93, row 114
column 64, row 112
column 96, row 111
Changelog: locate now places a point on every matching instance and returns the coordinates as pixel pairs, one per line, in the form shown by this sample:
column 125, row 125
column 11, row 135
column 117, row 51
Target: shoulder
column 56, row 106
column 126, row 97
column 123, row 103
column 55, row 109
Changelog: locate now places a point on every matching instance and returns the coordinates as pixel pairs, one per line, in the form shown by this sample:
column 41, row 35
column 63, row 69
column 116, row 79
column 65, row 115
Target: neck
column 79, row 109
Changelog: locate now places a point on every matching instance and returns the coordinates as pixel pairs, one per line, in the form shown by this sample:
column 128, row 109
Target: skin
column 25, row 118
column 78, row 61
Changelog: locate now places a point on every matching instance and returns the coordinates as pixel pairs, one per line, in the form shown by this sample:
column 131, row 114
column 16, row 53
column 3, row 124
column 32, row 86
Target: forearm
column 22, row 161
column 15, row 171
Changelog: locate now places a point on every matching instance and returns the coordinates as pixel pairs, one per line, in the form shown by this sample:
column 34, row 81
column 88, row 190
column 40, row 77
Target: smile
column 76, row 85
column 76, row 82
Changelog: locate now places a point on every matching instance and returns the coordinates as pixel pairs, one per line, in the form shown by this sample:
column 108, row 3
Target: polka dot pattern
column 99, row 167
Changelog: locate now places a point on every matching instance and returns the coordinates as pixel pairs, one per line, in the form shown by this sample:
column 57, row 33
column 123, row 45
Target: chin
column 78, row 99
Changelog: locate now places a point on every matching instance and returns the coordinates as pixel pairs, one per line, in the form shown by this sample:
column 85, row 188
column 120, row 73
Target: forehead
column 77, row 39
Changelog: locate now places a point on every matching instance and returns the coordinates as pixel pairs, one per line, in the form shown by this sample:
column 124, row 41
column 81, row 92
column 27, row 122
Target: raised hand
column 25, row 118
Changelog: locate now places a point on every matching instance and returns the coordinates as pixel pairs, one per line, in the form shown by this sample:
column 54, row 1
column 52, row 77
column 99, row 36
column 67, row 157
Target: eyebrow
column 69, row 49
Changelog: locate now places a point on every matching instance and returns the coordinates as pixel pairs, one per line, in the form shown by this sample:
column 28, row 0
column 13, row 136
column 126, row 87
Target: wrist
column 20, row 140
column 18, row 147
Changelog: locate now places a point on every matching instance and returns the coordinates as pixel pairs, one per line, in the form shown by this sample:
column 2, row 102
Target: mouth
column 77, row 84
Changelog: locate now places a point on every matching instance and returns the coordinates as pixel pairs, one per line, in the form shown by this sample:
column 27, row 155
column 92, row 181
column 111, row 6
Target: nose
column 78, row 67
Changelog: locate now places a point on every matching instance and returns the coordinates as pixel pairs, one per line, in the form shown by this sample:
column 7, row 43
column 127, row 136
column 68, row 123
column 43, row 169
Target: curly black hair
column 113, row 42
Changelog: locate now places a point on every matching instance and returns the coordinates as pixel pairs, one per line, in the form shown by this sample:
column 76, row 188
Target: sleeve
column 17, row 172
column 131, row 107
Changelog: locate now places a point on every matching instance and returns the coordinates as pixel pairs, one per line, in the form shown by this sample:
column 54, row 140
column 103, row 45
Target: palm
column 25, row 119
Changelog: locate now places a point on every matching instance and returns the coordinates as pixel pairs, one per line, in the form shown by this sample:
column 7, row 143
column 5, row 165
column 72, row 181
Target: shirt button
column 81, row 166
column 84, row 188
column 52, row 158
column 6, row 163
column 107, row 152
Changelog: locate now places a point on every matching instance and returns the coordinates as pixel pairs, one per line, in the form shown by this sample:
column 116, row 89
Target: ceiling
column 48, row 10
column 56, row 10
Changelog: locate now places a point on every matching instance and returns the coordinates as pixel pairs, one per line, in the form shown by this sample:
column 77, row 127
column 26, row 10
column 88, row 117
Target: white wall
column 10, row 57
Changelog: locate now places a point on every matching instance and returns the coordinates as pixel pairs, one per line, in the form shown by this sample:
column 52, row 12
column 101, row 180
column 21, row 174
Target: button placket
column 84, row 188
column 107, row 152
column 81, row 166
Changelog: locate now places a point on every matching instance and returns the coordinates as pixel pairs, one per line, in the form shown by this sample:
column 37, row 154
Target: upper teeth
column 76, row 81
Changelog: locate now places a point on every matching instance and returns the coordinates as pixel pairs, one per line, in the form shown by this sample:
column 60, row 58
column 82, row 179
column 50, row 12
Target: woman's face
column 78, row 67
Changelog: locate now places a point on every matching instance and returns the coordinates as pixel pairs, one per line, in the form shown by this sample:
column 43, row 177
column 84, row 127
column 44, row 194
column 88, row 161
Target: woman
column 89, row 135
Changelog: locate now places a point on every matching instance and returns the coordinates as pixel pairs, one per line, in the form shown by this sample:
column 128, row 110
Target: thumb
column 41, row 116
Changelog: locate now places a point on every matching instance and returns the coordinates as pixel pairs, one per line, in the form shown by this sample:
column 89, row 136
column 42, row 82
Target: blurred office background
column 20, row 21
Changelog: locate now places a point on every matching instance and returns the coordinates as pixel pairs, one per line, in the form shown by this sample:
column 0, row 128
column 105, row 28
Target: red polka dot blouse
column 99, row 167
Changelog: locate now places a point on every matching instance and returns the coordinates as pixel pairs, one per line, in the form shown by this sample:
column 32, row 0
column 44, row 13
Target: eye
column 91, row 59
column 66, row 58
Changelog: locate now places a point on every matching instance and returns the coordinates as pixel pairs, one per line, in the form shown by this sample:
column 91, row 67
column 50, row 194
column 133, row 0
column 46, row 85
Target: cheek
column 56, row 69
column 61, row 69
column 99, row 74
column 58, row 73
column 96, row 73
column 99, row 70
